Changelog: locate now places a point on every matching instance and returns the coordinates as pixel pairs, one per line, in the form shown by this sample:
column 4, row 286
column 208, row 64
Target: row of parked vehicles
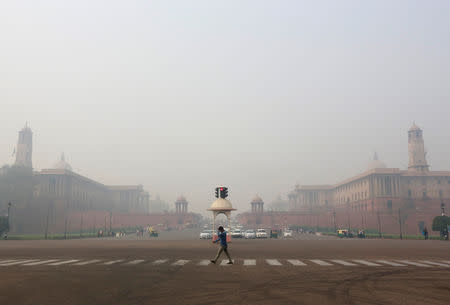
column 251, row 234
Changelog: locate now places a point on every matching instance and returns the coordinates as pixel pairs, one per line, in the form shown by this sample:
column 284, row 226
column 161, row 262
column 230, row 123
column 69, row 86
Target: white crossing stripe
column 224, row 262
column 87, row 262
column 446, row 262
column 436, row 264
column 249, row 262
column 180, row 262
column 114, row 262
column 361, row 261
column 64, row 262
column 341, row 262
column 382, row 261
column 9, row 261
column 320, row 262
column 413, row 263
column 135, row 262
column 41, row 262
column 273, row 262
column 18, row 262
column 204, row 262
column 160, row 261
column 296, row 262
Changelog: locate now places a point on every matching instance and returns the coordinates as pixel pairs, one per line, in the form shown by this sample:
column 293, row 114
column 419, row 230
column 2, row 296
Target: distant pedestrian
column 222, row 237
column 425, row 233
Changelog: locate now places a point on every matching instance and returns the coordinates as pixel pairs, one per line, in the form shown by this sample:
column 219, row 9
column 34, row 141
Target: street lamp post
column 334, row 220
column 9, row 208
column 110, row 221
column 48, row 216
column 379, row 223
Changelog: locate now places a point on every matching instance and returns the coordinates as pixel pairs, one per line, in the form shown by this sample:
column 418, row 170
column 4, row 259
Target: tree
column 440, row 223
column 4, row 225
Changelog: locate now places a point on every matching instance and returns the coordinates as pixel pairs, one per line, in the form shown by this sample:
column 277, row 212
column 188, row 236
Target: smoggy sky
column 181, row 96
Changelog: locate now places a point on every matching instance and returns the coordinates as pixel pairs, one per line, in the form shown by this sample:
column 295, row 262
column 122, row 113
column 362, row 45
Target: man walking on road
column 223, row 245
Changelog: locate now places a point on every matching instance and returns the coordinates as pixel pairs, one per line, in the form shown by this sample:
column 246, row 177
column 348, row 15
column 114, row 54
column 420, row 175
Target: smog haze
column 259, row 96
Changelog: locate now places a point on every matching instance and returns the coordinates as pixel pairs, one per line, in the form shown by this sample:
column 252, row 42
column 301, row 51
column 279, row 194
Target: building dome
column 62, row 164
column 375, row 163
column 181, row 199
column 414, row 127
column 257, row 199
column 221, row 205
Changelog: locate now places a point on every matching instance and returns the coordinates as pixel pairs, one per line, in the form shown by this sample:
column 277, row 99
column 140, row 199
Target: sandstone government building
column 379, row 199
column 59, row 200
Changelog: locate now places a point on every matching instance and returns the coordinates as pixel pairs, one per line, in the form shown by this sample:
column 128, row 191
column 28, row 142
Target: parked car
column 250, row 234
column 287, row 234
column 261, row 233
column 207, row 234
column 237, row 233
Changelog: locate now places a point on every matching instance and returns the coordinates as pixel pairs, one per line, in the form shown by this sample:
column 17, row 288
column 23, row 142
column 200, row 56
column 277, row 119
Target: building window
column 409, row 193
column 440, row 194
column 424, row 195
column 439, row 181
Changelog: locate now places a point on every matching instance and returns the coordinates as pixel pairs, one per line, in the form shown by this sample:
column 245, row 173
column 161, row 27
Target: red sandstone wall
column 355, row 219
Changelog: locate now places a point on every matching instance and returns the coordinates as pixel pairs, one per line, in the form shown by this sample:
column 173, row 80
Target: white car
column 237, row 234
column 207, row 234
column 250, row 234
column 287, row 234
column 261, row 233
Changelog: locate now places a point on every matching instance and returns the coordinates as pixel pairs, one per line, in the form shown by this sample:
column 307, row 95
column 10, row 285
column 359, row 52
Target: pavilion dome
column 62, row 164
column 181, row 199
column 257, row 199
column 221, row 205
column 375, row 163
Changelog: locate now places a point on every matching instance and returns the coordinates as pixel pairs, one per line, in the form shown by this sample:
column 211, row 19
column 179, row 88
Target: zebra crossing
column 272, row 262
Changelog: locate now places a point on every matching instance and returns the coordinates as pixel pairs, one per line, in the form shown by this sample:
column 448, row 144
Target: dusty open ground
column 144, row 282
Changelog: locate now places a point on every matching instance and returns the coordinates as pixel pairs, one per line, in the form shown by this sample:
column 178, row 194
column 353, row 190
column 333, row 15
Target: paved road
column 265, row 272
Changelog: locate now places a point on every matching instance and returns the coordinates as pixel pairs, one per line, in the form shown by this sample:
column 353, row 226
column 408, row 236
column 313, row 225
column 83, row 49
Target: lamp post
column 334, row 220
column 9, row 208
column 110, row 221
column 379, row 223
column 7, row 231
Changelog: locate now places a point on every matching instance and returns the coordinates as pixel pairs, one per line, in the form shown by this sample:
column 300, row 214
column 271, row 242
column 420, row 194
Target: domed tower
column 181, row 205
column 376, row 163
column 62, row 164
column 416, row 150
column 257, row 205
column 24, row 149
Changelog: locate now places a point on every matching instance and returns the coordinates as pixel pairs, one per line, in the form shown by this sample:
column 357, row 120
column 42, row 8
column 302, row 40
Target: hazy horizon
column 255, row 95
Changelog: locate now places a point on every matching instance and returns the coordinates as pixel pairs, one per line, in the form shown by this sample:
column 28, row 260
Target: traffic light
column 223, row 192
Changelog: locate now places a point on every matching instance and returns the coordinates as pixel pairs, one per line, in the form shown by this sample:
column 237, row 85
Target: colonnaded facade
column 64, row 200
column 373, row 199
